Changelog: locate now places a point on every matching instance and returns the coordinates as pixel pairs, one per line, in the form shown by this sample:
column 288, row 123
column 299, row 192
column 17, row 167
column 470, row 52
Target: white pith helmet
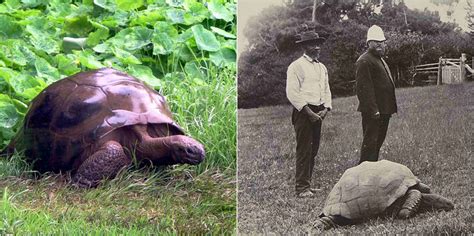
column 375, row 33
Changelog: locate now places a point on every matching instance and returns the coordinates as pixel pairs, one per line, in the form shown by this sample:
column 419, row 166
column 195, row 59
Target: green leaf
column 133, row 38
column 125, row 57
column 193, row 70
column 176, row 16
column 9, row 28
column 101, row 48
column 205, row 39
column 219, row 11
column 109, row 5
column 164, row 38
column 145, row 74
column 175, row 3
column 8, row 116
column 67, row 64
column 148, row 17
column 119, row 18
column 41, row 40
column 222, row 32
column 78, row 26
column 128, row 5
column 15, row 52
column 34, row 3
column 195, row 12
column 23, row 85
column 102, row 33
column 223, row 57
column 87, row 59
column 46, row 71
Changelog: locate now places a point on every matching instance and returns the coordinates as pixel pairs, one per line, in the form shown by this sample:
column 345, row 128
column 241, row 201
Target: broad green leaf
column 175, row 3
column 101, row 48
column 185, row 36
column 132, row 38
column 164, row 38
column 176, row 16
column 222, row 32
column 59, row 8
column 205, row 39
column 125, row 57
column 119, row 18
column 41, row 37
column 9, row 28
column 145, row 74
column 223, row 57
column 219, row 11
column 196, row 12
column 148, row 17
column 8, row 116
column 24, row 84
column 46, row 71
column 184, row 53
column 102, row 33
column 12, row 52
column 34, row 3
column 110, row 5
column 128, row 5
column 87, row 59
column 78, row 26
column 194, row 71
column 67, row 64
column 13, row 4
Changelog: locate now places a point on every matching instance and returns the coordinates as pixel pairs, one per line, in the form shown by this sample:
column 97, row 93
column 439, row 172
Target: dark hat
column 309, row 36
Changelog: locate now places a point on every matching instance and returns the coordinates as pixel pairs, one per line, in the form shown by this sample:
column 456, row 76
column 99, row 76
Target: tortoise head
column 187, row 150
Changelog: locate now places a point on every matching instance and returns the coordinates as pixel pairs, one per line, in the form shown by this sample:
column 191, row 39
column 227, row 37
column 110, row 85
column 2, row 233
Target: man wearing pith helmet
column 376, row 93
column 307, row 88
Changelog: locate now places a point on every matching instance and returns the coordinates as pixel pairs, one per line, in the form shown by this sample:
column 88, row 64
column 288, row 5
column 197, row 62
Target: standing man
column 307, row 88
column 376, row 94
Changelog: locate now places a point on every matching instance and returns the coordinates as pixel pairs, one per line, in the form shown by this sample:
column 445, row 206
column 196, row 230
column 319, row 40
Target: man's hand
column 313, row 117
column 323, row 113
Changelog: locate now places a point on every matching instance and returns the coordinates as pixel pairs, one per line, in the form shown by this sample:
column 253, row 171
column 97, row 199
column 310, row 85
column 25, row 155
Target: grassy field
column 432, row 134
column 181, row 199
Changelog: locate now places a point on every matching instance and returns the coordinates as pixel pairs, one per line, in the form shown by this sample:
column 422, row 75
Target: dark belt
column 316, row 108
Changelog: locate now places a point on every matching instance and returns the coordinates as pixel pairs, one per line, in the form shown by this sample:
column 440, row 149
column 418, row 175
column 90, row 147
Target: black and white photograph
column 355, row 116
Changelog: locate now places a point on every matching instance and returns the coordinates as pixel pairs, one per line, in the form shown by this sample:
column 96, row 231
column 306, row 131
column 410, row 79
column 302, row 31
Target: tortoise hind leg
column 411, row 204
column 104, row 163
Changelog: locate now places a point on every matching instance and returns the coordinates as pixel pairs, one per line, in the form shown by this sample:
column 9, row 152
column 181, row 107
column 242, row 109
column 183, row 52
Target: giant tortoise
column 93, row 122
column 377, row 188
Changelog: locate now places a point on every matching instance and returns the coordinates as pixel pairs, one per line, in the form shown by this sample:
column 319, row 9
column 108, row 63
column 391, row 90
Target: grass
column 181, row 199
column 431, row 134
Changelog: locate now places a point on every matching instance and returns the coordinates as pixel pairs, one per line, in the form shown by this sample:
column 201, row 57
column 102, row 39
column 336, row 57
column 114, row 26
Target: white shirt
column 307, row 83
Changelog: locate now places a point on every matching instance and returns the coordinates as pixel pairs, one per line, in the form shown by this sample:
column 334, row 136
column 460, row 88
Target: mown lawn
column 432, row 134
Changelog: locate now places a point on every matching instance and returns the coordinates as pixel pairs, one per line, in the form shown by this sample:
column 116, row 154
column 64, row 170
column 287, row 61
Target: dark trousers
column 307, row 145
column 375, row 131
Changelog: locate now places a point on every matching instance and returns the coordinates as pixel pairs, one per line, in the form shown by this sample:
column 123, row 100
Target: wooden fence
column 446, row 70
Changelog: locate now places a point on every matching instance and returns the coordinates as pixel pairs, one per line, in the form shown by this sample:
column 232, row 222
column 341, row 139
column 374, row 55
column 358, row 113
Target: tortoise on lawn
column 92, row 123
column 375, row 188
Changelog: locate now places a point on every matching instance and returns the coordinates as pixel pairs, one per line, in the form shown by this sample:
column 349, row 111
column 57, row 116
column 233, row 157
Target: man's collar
column 310, row 59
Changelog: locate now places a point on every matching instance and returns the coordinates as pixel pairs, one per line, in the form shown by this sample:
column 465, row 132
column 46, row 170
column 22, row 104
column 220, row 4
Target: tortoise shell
column 74, row 113
column 369, row 189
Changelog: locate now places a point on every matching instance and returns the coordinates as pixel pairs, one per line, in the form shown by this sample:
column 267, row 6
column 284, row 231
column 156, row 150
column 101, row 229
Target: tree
column 470, row 17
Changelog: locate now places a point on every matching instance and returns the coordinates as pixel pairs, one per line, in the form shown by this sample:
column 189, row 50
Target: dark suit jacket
column 375, row 88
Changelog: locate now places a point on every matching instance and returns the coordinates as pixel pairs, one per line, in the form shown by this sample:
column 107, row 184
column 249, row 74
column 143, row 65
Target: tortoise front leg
column 103, row 164
column 169, row 150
